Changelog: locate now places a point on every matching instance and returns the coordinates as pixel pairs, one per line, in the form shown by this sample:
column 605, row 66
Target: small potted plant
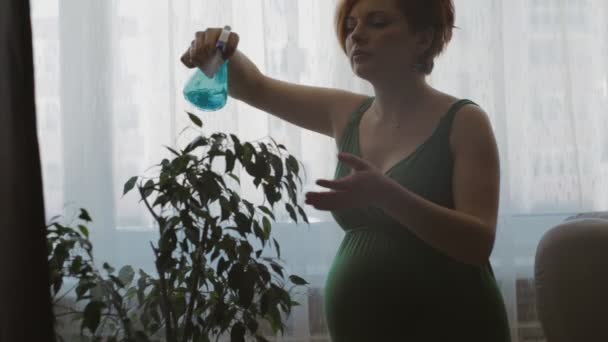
column 214, row 276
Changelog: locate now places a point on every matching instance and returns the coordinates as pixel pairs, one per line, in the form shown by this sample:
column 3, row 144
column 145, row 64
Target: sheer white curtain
column 109, row 96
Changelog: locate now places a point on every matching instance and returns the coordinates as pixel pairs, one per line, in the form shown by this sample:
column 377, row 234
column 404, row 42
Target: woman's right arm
column 322, row 110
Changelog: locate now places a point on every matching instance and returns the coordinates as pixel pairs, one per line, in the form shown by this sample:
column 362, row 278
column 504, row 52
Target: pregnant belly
column 371, row 287
column 384, row 287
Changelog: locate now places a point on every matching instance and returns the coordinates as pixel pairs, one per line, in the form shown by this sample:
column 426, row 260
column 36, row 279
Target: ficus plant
column 214, row 273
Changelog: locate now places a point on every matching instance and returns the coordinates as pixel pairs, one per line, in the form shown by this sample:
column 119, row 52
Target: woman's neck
column 396, row 98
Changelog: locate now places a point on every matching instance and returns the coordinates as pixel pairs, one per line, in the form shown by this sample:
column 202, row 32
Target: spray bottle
column 207, row 88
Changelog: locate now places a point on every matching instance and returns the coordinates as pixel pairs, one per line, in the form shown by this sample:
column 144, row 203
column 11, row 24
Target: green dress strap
column 345, row 144
column 448, row 118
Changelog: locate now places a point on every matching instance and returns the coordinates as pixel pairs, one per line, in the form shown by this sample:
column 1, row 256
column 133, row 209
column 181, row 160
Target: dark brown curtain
column 25, row 305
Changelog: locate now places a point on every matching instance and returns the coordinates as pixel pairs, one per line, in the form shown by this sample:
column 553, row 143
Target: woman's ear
column 425, row 40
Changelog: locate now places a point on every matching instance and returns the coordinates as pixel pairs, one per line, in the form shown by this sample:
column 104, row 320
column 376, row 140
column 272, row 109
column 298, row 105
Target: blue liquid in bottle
column 208, row 94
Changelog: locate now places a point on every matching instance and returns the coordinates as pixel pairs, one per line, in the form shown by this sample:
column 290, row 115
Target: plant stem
column 81, row 312
column 194, row 283
column 122, row 314
column 164, row 302
column 63, row 295
column 156, row 218
column 68, row 313
column 164, row 296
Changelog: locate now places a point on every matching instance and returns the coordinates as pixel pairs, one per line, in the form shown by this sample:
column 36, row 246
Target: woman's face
column 379, row 42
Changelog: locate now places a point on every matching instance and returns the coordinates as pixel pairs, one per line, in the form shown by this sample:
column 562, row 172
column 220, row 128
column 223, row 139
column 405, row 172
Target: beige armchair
column 571, row 276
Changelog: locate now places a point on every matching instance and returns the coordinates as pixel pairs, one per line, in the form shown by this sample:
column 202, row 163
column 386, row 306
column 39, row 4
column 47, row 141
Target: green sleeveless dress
column 386, row 284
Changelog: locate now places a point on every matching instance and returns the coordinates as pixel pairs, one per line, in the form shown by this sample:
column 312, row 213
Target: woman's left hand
column 359, row 189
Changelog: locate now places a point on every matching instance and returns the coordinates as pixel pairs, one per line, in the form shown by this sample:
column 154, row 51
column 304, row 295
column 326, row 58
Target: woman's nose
column 358, row 34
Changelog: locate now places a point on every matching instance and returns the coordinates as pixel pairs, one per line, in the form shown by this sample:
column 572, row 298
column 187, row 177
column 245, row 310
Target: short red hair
column 421, row 15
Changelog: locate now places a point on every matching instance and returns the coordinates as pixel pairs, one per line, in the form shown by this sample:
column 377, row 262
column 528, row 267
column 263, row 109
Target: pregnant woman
column 416, row 187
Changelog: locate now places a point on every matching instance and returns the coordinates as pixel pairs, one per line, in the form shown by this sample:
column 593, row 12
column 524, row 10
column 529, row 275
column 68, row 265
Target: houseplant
column 213, row 277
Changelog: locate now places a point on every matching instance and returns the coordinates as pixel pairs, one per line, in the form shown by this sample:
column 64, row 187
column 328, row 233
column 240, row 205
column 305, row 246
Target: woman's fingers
column 186, row 60
column 339, row 184
column 231, row 45
column 353, row 161
column 203, row 47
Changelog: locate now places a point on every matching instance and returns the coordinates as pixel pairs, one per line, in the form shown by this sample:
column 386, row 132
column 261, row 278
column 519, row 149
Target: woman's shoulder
column 461, row 110
column 471, row 125
column 346, row 107
column 467, row 120
column 350, row 102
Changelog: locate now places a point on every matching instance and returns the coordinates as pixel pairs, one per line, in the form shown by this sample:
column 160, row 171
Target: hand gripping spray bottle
column 207, row 89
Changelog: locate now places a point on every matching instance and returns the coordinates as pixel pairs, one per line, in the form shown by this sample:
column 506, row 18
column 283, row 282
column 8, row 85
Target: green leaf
column 246, row 288
column 260, row 169
column 267, row 211
column 222, row 266
column 267, row 227
column 272, row 193
column 129, row 185
column 97, row 292
column 237, row 334
column 303, row 214
column 292, row 213
column 230, row 159
column 148, row 188
column 243, row 223
column 263, row 148
column 173, row 151
column 276, row 320
column 252, row 325
column 228, row 245
column 140, row 336
column 264, row 273
column 131, row 292
column 116, row 281
column 196, row 143
column 195, row 119
column 259, row 232
column 179, row 304
column 292, row 164
column 265, row 303
column 276, row 245
column 277, row 165
column 235, row 139
column 249, row 206
column 53, row 219
column 235, row 276
column 84, row 215
column 225, row 207
column 76, row 264
column 92, row 316
column 107, row 267
column 161, row 200
column 297, row 280
column 248, row 152
column 210, row 186
column 83, row 286
column 83, row 230
column 192, row 234
column 126, row 275
column 235, row 177
column 277, row 268
column 142, row 284
column 245, row 251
